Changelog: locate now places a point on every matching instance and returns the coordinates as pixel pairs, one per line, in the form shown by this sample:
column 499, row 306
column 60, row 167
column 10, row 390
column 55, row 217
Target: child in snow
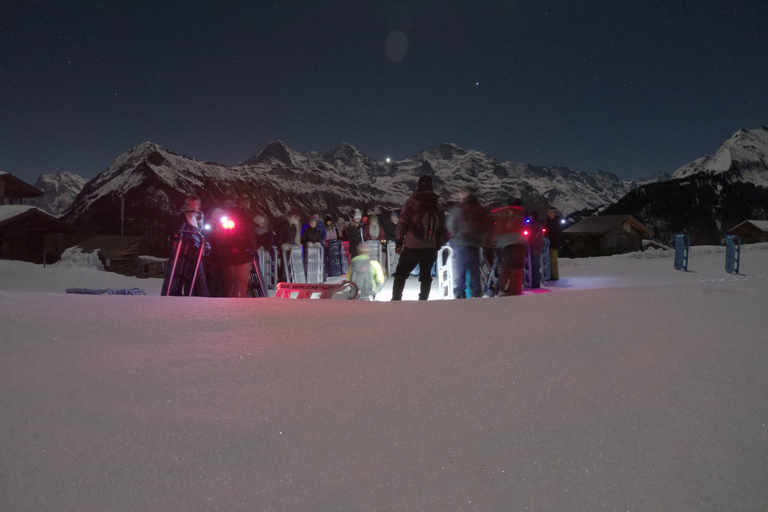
column 365, row 273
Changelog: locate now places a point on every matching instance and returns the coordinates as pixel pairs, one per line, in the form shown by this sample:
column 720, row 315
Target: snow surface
column 631, row 386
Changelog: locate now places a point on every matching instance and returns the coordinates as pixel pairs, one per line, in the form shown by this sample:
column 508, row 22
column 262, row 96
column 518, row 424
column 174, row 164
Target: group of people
column 419, row 231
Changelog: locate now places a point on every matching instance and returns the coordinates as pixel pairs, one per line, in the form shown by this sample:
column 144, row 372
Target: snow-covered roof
column 603, row 223
column 9, row 212
column 762, row 225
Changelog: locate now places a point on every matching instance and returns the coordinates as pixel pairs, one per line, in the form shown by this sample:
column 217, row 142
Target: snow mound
column 75, row 257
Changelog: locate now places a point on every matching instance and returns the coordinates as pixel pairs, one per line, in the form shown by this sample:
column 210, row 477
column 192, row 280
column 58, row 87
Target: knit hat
column 357, row 215
column 425, row 183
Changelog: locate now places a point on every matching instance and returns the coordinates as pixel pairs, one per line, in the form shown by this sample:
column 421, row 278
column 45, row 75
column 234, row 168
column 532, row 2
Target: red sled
column 346, row 290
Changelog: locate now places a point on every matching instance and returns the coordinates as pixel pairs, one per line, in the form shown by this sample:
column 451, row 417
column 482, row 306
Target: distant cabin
column 29, row 234
column 751, row 231
column 605, row 235
column 14, row 191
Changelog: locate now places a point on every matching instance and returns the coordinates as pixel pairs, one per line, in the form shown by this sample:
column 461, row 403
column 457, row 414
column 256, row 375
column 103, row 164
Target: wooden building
column 751, row 231
column 119, row 254
column 29, row 234
column 605, row 235
column 14, row 191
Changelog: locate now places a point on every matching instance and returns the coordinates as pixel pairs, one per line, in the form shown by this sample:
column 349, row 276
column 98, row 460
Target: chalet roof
column 761, row 225
column 12, row 215
column 17, row 188
column 601, row 224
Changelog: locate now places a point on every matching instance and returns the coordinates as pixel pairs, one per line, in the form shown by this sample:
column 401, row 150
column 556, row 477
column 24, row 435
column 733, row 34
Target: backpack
column 427, row 219
column 362, row 276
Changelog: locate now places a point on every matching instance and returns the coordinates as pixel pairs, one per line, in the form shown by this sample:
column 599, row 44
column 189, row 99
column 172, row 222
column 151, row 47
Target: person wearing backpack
column 365, row 273
column 420, row 233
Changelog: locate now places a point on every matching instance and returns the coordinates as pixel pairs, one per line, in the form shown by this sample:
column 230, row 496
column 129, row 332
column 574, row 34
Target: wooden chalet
column 14, row 191
column 29, row 234
column 751, row 231
column 605, row 235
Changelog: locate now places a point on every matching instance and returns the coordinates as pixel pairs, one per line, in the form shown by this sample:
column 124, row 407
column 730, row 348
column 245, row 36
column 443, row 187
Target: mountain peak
column 745, row 151
column 275, row 151
column 445, row 151
column 344, row 151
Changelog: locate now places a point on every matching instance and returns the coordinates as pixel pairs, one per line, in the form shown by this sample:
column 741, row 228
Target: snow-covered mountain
column 59, row 191
column 709, row 196
column 743, row 157
column 153, row 182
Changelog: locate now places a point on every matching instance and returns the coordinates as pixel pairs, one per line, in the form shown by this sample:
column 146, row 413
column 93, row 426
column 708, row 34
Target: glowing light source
column 227, row 223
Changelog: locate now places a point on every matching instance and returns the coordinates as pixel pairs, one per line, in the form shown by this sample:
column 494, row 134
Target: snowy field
column 631, row 386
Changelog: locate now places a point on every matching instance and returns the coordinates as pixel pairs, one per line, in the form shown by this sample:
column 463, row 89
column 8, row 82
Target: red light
column 227, row 223
column 525, row 232
column 543, row 230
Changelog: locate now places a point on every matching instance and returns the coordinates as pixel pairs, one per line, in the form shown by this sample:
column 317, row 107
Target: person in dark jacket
column 536, row 247
column 415, row 245
column 190, row 220
column 312, row 233
column 554, row 232
column 468, row 222
column 355, row 233
column 289, row 229
column 390, row 227
column 263, row 236
column 238, row 246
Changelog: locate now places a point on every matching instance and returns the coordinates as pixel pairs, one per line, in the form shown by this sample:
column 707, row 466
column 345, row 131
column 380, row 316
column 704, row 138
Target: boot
column 426, row 287
column 397, row 287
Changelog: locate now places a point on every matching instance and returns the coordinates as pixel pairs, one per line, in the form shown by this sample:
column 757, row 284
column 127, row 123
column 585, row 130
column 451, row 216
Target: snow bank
column 75, row 257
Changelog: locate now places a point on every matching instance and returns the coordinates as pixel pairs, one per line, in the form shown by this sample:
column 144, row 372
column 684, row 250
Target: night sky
column 630, row 87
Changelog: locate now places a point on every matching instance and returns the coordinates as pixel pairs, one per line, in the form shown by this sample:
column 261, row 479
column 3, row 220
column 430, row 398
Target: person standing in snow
column 468, row 222
column 330, row 229
column 312, row 233
column 555, row 234
column 373, row 230
column 420, row 233
column 263, row 236
column 355, row 232
column 390, row 227
column 536, row 246
column 190, row 220
column 238, row 246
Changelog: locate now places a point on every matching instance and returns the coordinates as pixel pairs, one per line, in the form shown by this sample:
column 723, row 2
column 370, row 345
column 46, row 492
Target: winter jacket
column 390, row 230
column 554, row 232
column 191, row 222
column 367, row 235
column 288, row 233
column 354, row 236
column 311, row 235
column 535, row 237
column 408, row 218
column 366, row 274
column 469, row 223
column 263, row 237
column 237, row 243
